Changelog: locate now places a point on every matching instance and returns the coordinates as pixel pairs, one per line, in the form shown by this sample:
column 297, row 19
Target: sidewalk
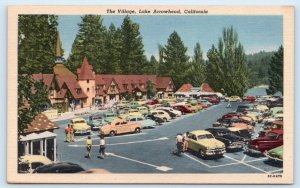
column 77, row 113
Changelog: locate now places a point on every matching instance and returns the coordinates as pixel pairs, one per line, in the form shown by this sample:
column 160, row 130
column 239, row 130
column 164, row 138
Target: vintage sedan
column 146, row 123
column 162, row 114
column 59, row 167
column 275, row 154
column 182, row 108
column 143, row 110
column 231, row 141
column 241, row 132
column 271, row 140
column 205, row 145
column 176, row 112
column 122, row 104
column 155, row 118
column 28, row 163
column 120, row 126
column 234, row 99
column 80, row 126
column 133, row 104
column 249, row 98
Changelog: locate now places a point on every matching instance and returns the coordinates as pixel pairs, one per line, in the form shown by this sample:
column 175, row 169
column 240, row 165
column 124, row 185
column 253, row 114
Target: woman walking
column 89, row 143
column 102, row 147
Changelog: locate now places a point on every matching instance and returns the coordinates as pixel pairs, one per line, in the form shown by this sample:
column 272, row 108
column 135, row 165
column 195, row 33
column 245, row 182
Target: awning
column 35, row 136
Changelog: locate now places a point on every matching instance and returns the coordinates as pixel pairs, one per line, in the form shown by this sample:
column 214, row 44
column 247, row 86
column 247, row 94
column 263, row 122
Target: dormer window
column 78, row 91
column 87, row 81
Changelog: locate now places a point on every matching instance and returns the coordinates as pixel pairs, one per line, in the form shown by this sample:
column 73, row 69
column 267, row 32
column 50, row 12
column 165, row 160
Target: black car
column 154, row 118
column 61, row 167
column 277, row 103
column 245, row 107
column 227, row 122
column 231, row 141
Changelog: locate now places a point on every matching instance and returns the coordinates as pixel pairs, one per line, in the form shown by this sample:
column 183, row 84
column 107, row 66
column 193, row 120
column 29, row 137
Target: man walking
column 102, row 147
column 179, row 143
column 68, row 133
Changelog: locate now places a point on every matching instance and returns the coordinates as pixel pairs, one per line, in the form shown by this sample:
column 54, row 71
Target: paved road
column 151, row 150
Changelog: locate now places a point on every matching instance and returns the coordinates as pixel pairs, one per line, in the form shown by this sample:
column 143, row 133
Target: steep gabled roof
column 45, row 78
column 62, row 70
column 205, row 87
column 185, row 88
column 163, row 82
column 40, row 123
column 86, row 71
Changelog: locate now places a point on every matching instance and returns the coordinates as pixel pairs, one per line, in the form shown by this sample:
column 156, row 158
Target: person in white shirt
column 179, row 142
column 102, row 147
column 186, row 141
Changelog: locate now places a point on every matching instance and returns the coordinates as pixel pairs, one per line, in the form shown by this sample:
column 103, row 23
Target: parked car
column 203, row 105
column 271, row 140
column 275, row 154
column 28, row 163
column 244, row 107
column 109, row 117
column 226, row 122
column 143, row 110
column 193, row 109
column 133, row 104
column 249, row 98
column 205, row 102
column 205, row 144
column 231, row 115
column 176, row 112
column 233, row 99
column 145, row 123
column 80, row 126
column 241, row 132
column 95, row 124
column 171, row 114
column 153, row 102
column 182, row 108
column 120, row 126
column 60, row 167
column 213, row 100
column 122, row 104
column 162, row 114
column 231, row 141
column 155, row 118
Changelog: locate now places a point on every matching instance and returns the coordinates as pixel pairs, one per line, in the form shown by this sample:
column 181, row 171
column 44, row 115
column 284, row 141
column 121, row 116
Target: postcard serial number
column 274, row 175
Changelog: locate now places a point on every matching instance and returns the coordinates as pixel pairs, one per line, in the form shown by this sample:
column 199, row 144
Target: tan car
column 161, row 114
column 122, row 104
column 29, row 163
column 80, row 126
column 120, row 126
column 205, row 145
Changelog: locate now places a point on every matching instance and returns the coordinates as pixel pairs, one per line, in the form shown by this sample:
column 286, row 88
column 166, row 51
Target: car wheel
column 137, row 130
column 112, row 133
column 201, row 153
column 165, row 120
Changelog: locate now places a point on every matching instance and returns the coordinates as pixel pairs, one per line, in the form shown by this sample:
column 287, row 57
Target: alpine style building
column 69, row 91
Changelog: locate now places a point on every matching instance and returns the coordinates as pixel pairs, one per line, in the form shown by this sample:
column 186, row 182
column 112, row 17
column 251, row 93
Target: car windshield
column 271, row 134
column 205, row 136
column 81, row 121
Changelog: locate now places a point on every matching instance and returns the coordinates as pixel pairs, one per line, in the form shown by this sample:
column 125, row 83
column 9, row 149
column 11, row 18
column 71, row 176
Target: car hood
column 80, row 126
column 231, row 137
column 276, row 152
column 211, row 143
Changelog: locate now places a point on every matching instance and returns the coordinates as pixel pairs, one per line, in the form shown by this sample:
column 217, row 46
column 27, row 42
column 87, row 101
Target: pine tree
column 113, row 46
column 150, row 89
column 132, row 60
column 276, row 72
column 151, row 66
column 197, row 68
column 36, row 43
column 176, row 60
column 90, row 43
column 227, row 69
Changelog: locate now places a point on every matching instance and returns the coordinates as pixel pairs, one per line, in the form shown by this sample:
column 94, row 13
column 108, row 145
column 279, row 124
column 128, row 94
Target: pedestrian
column 179, row 143
column 89, row 143
column 68, row 133
column 186, row 141
column 228, row 105
column 72, row 133
column 102, row 147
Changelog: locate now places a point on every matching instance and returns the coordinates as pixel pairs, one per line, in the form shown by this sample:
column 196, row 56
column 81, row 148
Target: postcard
column 150, row 94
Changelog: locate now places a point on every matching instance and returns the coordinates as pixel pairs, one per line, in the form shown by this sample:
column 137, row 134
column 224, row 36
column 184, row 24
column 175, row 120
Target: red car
column 213, row 100
column 153, row 102
column 271, row 140
column 183, row 109
column 231, row 115
column 202, row 105
column 249, row 98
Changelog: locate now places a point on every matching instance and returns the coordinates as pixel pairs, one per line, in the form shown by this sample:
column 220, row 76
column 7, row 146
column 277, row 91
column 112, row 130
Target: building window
column 78, row 91
column 88, row 90
column 125, row 86
column 88, row 81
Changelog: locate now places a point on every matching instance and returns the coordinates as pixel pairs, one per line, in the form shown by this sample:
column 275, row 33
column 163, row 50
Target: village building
column 69, row 91
column 38, row 138
column 188, row 90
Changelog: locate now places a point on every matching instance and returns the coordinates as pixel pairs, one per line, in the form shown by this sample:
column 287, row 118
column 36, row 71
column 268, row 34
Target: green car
column 133, row 104
column 195, row 103
column 109, row 117
column 275, row 154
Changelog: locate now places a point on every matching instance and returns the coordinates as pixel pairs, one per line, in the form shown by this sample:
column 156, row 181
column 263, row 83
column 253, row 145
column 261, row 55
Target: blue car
column 145, row 123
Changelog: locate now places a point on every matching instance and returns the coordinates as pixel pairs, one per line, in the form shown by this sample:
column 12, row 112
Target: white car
column 177, row 112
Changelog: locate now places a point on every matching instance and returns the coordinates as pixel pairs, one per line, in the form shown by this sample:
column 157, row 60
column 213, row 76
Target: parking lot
column 151, row 150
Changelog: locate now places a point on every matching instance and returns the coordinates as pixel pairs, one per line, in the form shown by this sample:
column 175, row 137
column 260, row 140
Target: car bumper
column 252, row 150
column 214, row 152
column 235, row 146
column 83, row 131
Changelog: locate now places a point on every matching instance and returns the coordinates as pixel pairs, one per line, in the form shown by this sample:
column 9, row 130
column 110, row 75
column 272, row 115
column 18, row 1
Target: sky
column 256, row 33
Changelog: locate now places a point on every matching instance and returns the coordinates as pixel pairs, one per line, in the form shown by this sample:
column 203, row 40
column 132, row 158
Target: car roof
column 78, row 119
column 35, row 158
column 134, row 116
column 200, row 132
column 236, row 128
column 156, row 111
column 217, row 128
